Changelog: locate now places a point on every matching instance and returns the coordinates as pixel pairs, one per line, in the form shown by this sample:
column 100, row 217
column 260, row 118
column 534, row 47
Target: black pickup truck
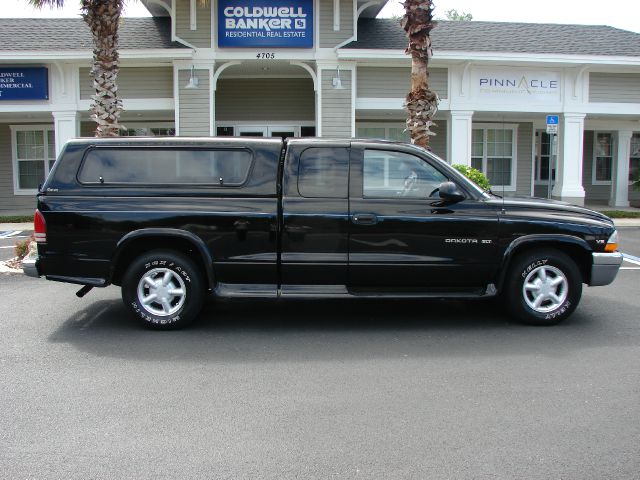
column 172, row 220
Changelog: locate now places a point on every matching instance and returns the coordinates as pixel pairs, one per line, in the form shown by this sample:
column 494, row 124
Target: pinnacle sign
column 265, row 23
column 522, row 85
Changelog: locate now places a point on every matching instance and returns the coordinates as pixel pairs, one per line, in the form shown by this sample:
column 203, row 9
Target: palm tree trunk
column 103, row 18
column 421, row 102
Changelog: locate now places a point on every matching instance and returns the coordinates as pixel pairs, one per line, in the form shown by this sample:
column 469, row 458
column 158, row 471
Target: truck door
column 403, row 236
column 315, row 214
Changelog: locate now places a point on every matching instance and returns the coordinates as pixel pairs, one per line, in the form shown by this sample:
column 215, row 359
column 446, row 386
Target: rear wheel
column 163, row 289
column 543, row 287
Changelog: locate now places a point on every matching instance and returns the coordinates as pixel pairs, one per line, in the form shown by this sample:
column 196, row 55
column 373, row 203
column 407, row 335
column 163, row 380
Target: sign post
column 552, row 130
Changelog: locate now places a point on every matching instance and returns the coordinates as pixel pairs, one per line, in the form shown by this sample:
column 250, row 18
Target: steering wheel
column 434, row 191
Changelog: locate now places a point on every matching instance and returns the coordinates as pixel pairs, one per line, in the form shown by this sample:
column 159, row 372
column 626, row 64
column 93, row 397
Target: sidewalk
column 5, row 227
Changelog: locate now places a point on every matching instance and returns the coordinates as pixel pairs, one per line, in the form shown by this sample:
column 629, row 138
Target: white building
column 330, row 68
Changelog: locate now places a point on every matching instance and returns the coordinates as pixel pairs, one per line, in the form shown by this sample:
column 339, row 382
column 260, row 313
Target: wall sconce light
column 336, row 81
column 193, row 82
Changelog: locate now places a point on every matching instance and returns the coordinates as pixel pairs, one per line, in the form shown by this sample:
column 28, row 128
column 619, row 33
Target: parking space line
column 10, row 233
column 631, row 259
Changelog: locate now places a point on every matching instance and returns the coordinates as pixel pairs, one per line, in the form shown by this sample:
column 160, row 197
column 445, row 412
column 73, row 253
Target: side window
column 388, row 174
column 324, row 173
column 166, row 166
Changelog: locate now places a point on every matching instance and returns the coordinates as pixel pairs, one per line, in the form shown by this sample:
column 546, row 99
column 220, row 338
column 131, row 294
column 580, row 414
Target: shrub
column 475, row 175
column 22, row 247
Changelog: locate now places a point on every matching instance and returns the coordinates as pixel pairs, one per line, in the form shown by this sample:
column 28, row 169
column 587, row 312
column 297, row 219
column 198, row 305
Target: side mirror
column 450, row 192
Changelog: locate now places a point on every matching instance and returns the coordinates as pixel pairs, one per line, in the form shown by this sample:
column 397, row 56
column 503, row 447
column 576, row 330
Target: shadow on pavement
column 269, row 331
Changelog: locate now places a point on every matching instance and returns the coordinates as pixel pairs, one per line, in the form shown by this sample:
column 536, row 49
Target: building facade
column 331, row 68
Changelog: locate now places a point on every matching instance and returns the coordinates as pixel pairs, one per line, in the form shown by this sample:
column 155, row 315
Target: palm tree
column 421, row 102
column 103, row 18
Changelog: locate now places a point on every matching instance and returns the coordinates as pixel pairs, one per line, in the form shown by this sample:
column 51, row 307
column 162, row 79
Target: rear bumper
column 605, row 268
column 30, row 267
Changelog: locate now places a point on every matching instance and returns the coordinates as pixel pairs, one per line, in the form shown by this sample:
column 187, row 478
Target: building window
column 34, row 153
column 545, row 157
column 391, row 131
column 602, row 158
column 634, row 160
column 493, row 153
column 149, row 131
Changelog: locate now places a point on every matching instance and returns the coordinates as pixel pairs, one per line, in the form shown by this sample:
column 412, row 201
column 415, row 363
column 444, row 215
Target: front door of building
column 266, row 131
column 544, row 163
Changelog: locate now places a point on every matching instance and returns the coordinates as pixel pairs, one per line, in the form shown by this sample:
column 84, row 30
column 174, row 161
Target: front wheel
column 543, row 287
column 163, row 289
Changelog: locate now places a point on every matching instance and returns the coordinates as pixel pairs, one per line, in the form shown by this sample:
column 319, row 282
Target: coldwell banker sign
column 514, row 85
column 265, row 23
column 24, row 83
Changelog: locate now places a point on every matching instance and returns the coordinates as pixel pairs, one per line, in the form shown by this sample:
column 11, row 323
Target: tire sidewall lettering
column 532, row 266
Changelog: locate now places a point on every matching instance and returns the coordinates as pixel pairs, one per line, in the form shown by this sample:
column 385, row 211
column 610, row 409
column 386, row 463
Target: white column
column 66, row 126
column 568, row 186
column 620, row 175
column 459, row 137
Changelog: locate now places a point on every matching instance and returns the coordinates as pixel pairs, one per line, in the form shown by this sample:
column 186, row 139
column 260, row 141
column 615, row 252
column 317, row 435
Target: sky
column 623, row 14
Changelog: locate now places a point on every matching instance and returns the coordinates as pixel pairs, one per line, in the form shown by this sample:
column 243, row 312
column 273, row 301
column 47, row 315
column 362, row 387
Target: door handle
column 364, row 219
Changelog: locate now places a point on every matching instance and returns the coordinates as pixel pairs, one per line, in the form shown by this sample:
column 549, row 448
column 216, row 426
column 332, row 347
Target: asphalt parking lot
column 338, row 389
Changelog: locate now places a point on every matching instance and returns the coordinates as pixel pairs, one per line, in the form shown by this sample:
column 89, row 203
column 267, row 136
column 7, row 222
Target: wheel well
column 145, row 244
column 579, row 255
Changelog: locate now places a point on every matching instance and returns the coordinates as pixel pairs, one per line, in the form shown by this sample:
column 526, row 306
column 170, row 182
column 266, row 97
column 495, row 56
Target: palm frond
column 46, row 3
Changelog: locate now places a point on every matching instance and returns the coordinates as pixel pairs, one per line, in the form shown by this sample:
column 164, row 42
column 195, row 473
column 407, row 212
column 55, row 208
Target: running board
column 241, row 290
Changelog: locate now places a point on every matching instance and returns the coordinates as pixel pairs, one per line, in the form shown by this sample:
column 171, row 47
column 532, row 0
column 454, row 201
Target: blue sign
column 552, row 119
column 24, row 83
column 265, row 23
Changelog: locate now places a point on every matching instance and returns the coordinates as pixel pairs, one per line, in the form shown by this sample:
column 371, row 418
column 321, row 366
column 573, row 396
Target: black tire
column 175, row 304
column 553, row 280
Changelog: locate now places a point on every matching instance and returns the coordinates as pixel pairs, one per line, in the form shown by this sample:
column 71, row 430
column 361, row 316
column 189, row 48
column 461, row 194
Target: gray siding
column 614, row 87
column 9, row 203
column 525, row 159
column 328, row 36
column 394, row 82
column 336, row 105
column 195, row 114
column 265, row 99
column 202, row 36
column 438, row 142
column 143, row 82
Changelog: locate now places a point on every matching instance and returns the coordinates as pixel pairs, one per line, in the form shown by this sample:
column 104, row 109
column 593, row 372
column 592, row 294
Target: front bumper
column 605, row 268
column 30, row 267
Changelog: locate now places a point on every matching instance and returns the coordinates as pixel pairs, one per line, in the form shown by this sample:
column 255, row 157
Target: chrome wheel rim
column 545, row 289
column 161, row 292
